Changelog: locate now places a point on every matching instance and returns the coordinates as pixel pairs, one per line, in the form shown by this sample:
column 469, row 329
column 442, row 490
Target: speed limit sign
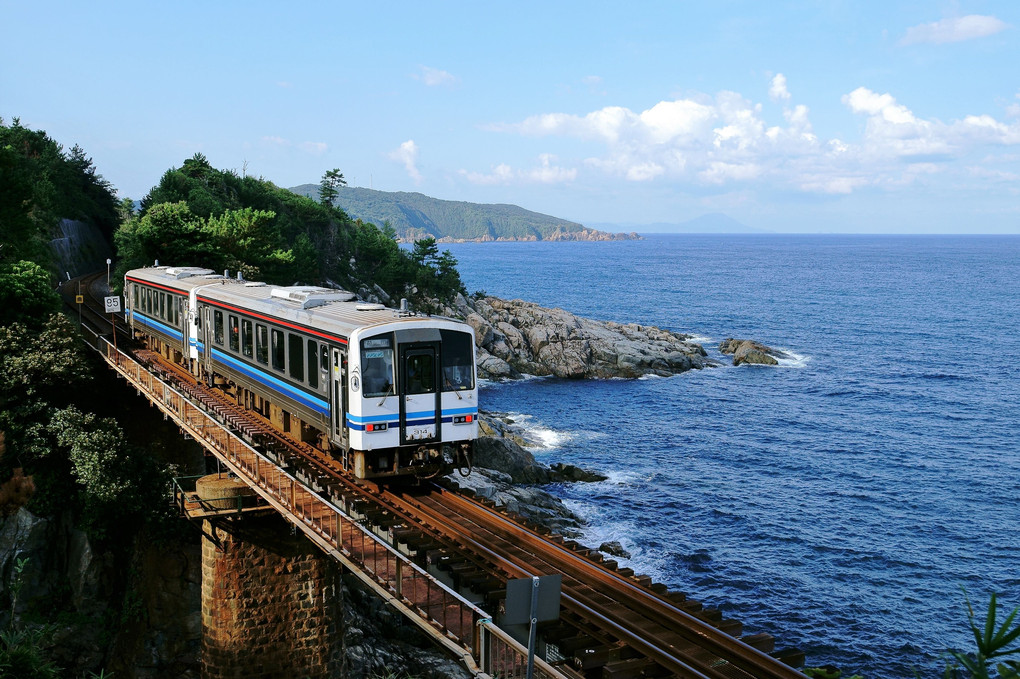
column 112, row 304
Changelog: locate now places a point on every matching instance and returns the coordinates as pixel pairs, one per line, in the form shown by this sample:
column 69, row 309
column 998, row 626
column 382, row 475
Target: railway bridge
column 439, row 557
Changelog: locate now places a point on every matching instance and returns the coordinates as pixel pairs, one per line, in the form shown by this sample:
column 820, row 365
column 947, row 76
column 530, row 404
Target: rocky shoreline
column 586, row 235
column 515, row 338
column 508, row 474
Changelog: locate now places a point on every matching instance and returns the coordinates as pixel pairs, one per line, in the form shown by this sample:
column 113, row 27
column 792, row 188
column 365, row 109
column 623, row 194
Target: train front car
column 413, row 405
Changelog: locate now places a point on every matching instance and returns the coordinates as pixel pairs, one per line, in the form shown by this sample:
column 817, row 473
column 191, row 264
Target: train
column 389, row 393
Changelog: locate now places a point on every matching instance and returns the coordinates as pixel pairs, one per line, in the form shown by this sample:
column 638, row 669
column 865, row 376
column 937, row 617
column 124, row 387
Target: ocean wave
column 539, row 435
column 792, row 359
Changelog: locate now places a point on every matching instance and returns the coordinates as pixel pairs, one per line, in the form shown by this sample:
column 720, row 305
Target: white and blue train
column 386, row 392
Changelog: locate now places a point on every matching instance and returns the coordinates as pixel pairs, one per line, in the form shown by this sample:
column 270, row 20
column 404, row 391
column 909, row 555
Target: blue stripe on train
column 318, row 405
column 162, row 327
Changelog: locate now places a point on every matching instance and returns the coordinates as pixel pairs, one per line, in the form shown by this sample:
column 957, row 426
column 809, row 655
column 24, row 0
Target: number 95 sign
column 112, row 304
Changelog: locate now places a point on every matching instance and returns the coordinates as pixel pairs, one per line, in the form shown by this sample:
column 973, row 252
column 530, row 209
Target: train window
column 261, row 344
column 134, row 289
column 147, row 300
column 235, row 343
column 162, row 305
column 295, row 357
column 421, row 377
column 324, row 363
column 246, row 337
column 377, row 367
column 313, row 364
column 277, row 349
column 177, row 309
column 458, row 367
column 218, row 327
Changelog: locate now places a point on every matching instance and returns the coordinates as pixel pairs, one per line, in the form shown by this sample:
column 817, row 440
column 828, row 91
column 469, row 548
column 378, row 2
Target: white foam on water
column 547, row 438
column 794, row 359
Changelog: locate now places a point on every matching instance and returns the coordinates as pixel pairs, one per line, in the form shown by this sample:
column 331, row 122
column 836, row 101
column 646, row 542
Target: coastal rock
column 749, row 351
column 568, row 472
column 510, row 458
column 614, row 548
column 531, row 503
column 515, row 337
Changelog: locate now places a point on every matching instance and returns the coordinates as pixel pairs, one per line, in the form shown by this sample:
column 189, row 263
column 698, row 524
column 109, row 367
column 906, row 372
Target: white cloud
column 546, row 173
column 501, row 174
column 778, row 91
column 955, row 29
column 407, row 153
column 316, row 148
column 434, row 77
column 719, row 172
column 276, row 141
column 726, row 140
column 592, row 80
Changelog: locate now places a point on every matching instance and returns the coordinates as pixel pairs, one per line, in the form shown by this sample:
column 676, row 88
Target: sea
column 848, row 501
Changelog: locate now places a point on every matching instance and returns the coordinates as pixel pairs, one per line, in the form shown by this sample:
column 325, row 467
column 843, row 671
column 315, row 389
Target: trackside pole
column 534, row 625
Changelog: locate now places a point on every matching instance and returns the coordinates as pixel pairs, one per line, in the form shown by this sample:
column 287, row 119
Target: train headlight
column 463, row 419
column 379, row 426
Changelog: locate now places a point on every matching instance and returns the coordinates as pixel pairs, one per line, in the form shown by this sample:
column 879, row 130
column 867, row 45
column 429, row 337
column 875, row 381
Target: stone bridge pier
column 270, row 599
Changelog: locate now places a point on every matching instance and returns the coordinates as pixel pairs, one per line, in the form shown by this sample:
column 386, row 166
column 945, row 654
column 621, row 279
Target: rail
column 453, row 621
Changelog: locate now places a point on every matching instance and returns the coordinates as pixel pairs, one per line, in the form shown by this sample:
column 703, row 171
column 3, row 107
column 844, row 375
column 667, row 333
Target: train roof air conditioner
column 307, row 296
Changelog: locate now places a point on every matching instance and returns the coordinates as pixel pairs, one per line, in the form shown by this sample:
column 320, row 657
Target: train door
column 419, row 393
column 204, row 315
column 338, row 397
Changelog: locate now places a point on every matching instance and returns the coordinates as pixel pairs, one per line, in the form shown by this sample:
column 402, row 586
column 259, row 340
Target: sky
column 856, row 117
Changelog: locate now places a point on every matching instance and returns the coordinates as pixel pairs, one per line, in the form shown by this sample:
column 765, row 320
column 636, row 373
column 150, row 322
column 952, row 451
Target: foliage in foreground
column 22, row 652
column 992, row 645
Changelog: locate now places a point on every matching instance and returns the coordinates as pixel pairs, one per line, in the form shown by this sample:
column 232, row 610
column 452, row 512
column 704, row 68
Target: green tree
column 38, row 369
column 26, row 294
column 329, row 187
column 248, row 240
column 41, row 184
column 169, row 232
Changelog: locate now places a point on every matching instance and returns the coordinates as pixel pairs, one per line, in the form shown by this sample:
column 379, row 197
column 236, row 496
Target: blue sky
column 892, row 117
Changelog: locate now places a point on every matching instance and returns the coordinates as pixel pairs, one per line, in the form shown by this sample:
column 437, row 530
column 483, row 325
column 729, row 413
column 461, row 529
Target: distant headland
column 414, row 216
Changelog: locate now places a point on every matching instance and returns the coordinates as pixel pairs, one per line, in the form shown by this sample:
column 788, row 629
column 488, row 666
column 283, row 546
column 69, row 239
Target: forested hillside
column 414, row 216
column 200, row 216
column 40, row 183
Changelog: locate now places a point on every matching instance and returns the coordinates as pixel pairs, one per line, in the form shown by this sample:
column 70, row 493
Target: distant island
column 415, row 216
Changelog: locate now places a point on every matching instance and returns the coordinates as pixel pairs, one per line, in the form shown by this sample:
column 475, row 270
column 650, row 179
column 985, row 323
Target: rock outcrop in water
column 505, row 471
column 749, row 351
column 515, row 337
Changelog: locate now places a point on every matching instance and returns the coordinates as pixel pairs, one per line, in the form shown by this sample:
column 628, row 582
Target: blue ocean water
column 839, row 501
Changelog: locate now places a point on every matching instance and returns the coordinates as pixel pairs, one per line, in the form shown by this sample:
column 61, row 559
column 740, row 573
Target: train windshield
column 458, row 366
column 377, row 366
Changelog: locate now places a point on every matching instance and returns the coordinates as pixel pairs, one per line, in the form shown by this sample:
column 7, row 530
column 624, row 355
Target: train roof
column 330, row 310
column 180, row 278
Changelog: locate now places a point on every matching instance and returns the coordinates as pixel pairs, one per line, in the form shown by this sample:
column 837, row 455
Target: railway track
column 613, row 623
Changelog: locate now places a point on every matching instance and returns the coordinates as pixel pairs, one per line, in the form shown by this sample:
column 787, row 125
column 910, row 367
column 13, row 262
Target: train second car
column 387, row 393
